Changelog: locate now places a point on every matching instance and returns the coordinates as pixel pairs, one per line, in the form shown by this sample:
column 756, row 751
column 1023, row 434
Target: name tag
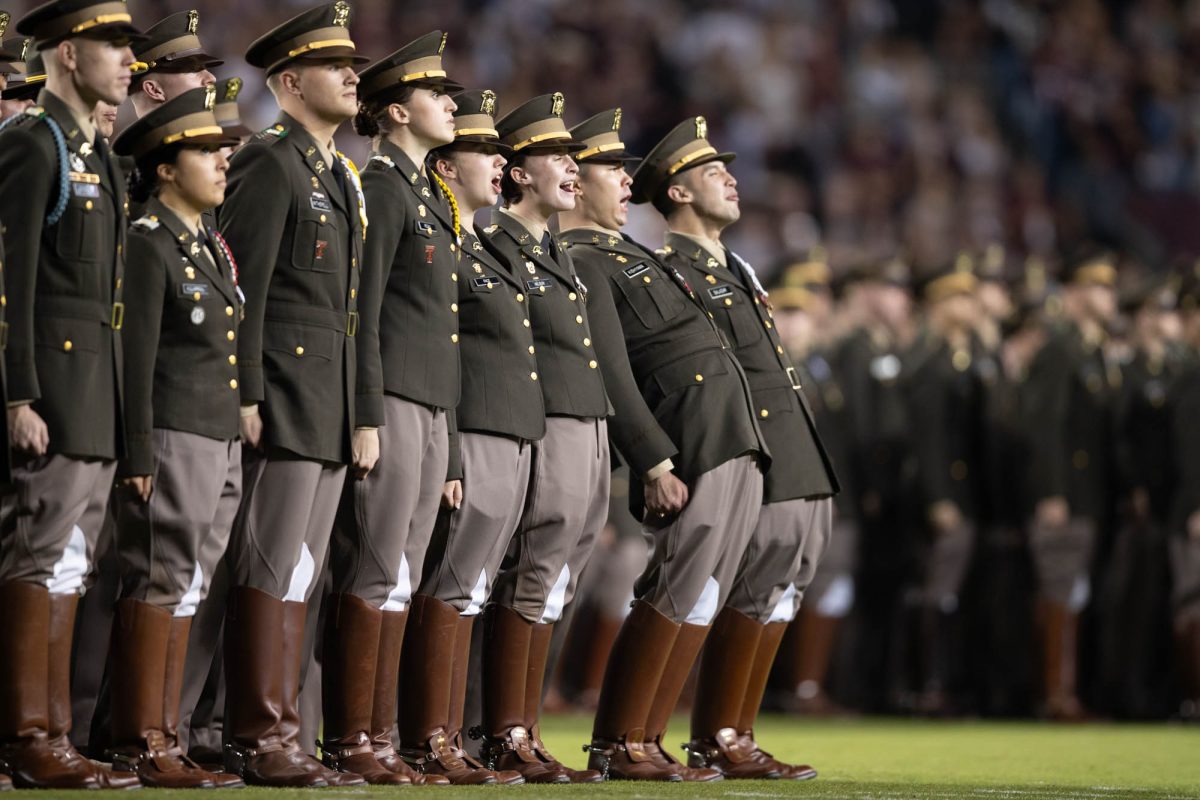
column 85, row 189
column 485, row 283
column 538, row 284
column 193, row 289
column 424, row 228
column 635, row 270
column 319, row 202
column 717, row 292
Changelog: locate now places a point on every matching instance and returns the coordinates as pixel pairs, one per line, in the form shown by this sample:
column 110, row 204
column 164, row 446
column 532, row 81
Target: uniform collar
column 686, row 242
column 536, row 232
column 83, row 127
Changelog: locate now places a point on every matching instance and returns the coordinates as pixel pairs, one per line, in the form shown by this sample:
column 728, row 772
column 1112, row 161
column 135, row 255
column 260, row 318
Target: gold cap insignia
column 232, row 87
column 442, row 46
column 617, row 120
column 193, row 21
column 341, row 13
column 488, row 104
column 701, row 128
column 210, row 96
column 556, row 104
column 4, row 18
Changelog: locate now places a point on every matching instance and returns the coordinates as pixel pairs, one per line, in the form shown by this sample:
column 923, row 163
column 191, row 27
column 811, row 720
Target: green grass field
column 876, row 759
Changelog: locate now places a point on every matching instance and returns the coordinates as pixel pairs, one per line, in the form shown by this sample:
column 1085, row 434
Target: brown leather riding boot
column 1060, row 645
column 255, row 661
column 535, row 676
column 764, row 657
column 294, row 655
column 351, row 655
column 58, row 696
column 506, row 741
column 458, row 701
column 427, row 670
column 635, row 668
column 726, row 664
column 138, row 667
column 675, row 676
column 383, row 706
column 809, row 649
column 25, row 752
column 177, row 646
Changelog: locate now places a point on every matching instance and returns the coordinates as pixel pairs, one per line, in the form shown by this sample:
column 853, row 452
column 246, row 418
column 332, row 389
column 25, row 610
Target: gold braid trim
column 449, row 198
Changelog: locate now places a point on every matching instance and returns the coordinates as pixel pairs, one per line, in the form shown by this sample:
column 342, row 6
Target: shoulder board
column 147, row 223
column 276, row 131
column 30, row 115
column 380, row 158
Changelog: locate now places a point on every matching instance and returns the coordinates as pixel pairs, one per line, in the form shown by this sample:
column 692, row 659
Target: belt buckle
column 352, row 324
column 794, row 377
column 118, row 316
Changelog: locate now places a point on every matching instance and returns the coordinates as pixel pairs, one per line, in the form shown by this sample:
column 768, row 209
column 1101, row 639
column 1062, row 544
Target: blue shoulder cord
column 60, row 142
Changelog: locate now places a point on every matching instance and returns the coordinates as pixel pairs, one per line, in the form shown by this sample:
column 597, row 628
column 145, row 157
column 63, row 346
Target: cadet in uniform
column 1184, row 520
column 1071, row 395
column 567, row 498
column 295, row 219
column 183, row 470
column 1136, row 582
column 685, row 426
column 21, row 87
column 500, row 416
column 945, row 397
column 64, row 238
column 408, row 386
column 803, row 308
column 870, row 361
column 170, row 61
column 688, row 182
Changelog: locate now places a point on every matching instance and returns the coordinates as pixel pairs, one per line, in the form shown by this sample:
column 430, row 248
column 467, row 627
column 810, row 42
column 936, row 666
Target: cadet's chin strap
column 450, row 199
column 60, row 146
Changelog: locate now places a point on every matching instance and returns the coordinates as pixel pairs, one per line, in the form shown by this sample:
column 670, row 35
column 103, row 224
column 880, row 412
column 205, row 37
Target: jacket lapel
column 473, row 249
column 304, row 142
column 424, row 193
column 190, row 248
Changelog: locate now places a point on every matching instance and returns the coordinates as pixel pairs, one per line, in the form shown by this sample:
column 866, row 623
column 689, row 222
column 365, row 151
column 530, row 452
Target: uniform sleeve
column 252, row 220
column 28, row 172
column 387, row 210
column 1049, row 389
column 632, row 428
column 145, row 290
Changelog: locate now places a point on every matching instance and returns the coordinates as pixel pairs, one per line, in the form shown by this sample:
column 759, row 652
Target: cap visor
column 189, row 62
column 556, row 144
column 22, row 91
column 483, row 141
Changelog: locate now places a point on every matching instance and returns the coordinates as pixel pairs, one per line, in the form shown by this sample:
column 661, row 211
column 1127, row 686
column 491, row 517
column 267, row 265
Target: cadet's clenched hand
column 29, row 431
column 252, row 428
column 452, row 495
column 665, row 496
column 365, row 447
